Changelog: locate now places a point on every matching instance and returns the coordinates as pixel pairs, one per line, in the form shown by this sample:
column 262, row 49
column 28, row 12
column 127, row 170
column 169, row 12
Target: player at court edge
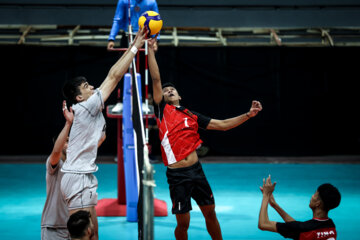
column 320, row 227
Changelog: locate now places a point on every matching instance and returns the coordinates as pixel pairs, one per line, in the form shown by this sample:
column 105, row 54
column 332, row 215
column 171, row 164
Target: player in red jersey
column 320, row 227
column 178, row 131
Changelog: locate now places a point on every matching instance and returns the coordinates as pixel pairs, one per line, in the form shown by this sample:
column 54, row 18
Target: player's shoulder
column 318, row 223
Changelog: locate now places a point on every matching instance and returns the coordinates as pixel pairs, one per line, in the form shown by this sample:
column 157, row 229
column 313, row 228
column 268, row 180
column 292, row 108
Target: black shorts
column 186, row 183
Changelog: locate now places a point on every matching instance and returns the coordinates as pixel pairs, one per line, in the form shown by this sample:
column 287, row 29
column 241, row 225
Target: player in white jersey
column 79, row 185
column 55, row 214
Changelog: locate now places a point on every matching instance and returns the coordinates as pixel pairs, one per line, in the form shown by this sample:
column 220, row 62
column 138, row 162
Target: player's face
column 171, row 96
column 86, row 90
column 315, row 200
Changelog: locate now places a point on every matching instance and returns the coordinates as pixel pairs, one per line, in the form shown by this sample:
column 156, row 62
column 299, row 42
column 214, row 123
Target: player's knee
column 181, row 228
column 210, row 214
column 208, row 211
column 183, row 225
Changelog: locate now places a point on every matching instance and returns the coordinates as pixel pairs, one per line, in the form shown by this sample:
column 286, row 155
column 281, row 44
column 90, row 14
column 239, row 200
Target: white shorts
column 79, row 190
column 48, row 233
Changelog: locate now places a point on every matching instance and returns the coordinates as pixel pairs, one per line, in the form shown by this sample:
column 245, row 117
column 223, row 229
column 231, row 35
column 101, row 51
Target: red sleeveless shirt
column 178, row 131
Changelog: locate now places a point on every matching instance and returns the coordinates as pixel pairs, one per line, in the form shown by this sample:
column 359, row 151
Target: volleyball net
column 145, row 170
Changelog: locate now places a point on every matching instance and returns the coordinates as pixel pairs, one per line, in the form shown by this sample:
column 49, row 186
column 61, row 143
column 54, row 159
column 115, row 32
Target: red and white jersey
column 178, row 131
column 314, row 229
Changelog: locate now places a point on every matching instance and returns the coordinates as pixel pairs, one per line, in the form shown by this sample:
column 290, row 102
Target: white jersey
column 87, row 129
column 55, row 212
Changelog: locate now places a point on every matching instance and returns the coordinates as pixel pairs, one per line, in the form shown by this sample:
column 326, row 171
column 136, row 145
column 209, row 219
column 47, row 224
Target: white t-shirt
column 87, row 129
column 55, row 212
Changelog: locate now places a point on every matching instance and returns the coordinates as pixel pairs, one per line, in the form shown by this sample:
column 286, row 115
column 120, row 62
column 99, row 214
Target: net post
column 148, row 197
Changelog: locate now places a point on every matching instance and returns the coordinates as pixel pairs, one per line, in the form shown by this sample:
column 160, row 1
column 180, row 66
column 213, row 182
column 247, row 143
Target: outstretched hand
column 268, row 187
column 140, row 38
column 69, row 115
column 255, row 108
column 271, row 199
column 152, row 43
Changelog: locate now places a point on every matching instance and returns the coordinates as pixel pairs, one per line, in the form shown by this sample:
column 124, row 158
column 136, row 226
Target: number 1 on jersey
column 186, row 123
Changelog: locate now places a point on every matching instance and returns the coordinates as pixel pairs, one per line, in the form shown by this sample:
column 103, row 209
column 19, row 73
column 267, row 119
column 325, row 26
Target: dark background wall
column 191, row 13
column 310, row 96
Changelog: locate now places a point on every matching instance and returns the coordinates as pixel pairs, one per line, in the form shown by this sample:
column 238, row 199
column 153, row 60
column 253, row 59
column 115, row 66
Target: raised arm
column 62, row 138
column 154, row 72
column 118, row 70
column 284, row 215
column 264, row 222
column 230, row 123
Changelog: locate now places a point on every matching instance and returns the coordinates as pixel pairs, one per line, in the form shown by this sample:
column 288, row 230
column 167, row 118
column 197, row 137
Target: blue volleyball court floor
column 235, row 187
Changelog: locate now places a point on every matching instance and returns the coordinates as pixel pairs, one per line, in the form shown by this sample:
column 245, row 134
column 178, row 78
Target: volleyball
column 152, row 21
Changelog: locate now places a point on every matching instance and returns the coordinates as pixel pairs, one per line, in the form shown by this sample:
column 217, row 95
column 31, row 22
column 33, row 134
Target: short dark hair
column 78, row 223
column 71, row 89
column 330, row 196
column 168, row 84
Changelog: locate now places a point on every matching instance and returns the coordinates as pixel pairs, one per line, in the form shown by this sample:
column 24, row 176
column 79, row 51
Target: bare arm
column 62, row 138
column 154, row 72
column 118, row 70
column 264, row 222
column 230, row 123
column 226, row 124
column 284, row 215
column 102, row 139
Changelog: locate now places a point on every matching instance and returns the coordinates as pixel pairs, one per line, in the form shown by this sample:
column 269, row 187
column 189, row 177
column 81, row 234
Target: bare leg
column 183, row 222
column 93, row 219
column 212, row 224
